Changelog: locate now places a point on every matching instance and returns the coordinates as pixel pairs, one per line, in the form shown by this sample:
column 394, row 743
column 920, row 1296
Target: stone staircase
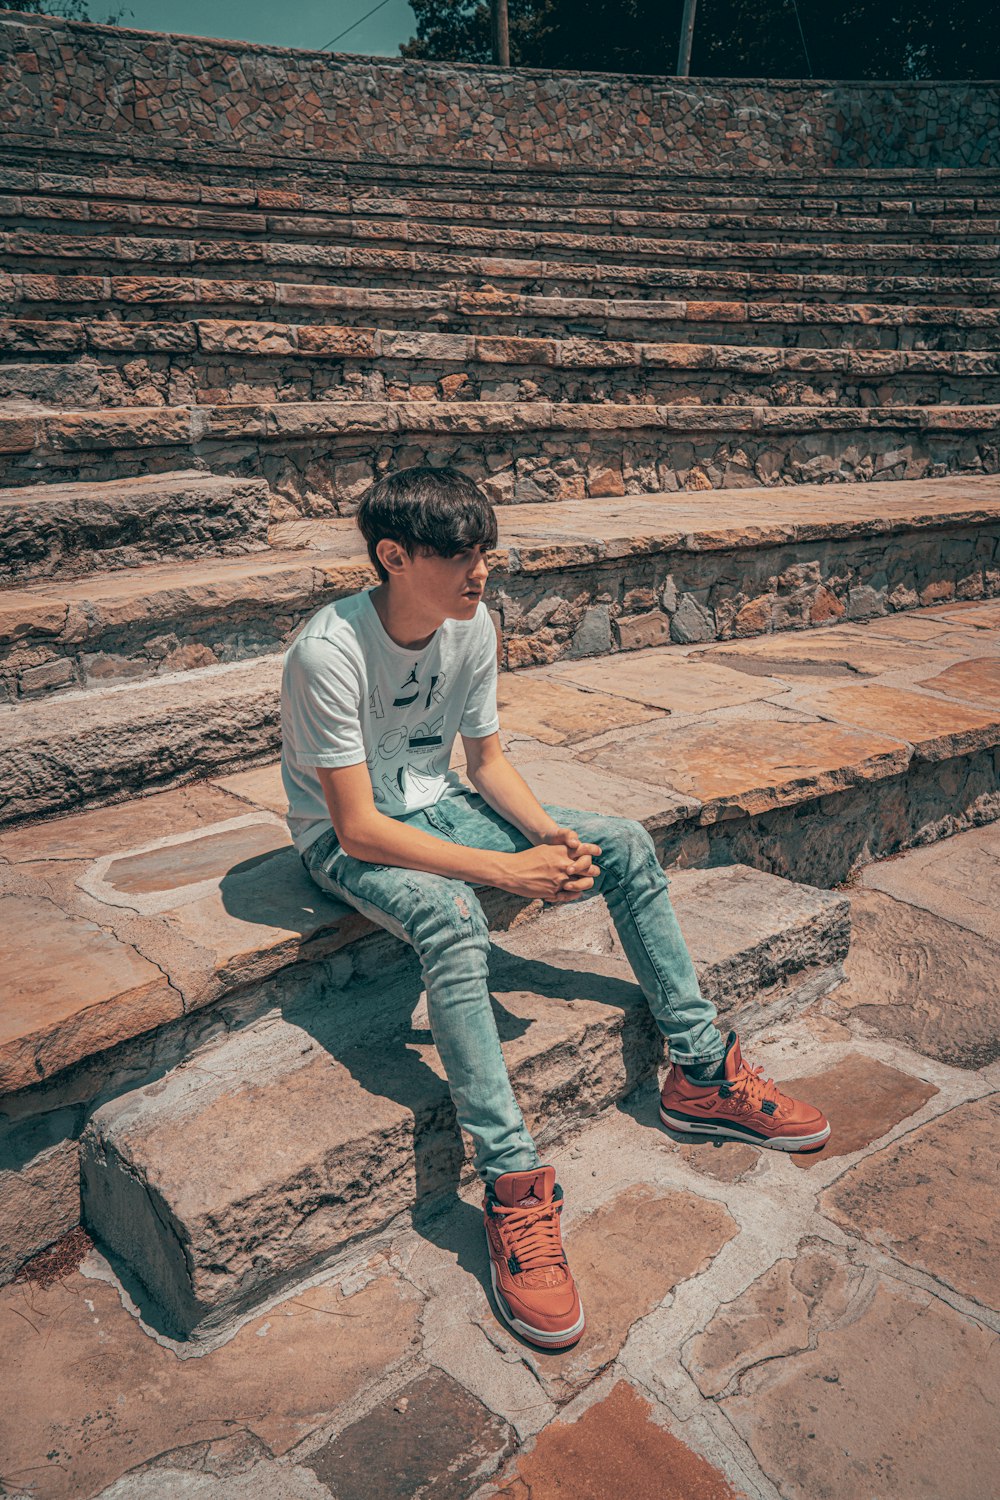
column 741, row 431
column 141, row 676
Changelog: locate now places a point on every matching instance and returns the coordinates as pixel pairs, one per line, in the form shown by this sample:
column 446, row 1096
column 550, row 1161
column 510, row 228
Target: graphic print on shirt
column 419, row 739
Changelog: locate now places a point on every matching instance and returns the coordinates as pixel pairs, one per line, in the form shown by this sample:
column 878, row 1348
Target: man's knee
column 624, row 842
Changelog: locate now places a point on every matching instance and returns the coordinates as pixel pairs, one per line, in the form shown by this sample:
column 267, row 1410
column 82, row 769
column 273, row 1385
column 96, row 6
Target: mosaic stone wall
column 72, row 81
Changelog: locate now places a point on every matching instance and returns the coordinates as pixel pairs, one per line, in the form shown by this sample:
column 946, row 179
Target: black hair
column 432, row 509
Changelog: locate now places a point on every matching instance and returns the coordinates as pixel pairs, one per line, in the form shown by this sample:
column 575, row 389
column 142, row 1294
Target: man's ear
column 391, row 554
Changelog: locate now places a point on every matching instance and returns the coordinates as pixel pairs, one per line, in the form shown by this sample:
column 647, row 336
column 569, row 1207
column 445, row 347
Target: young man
column 375, row 687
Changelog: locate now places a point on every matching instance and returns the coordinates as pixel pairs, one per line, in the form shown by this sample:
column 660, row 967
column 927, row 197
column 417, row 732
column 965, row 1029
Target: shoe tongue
column 525, row 1189
column 734, row 1057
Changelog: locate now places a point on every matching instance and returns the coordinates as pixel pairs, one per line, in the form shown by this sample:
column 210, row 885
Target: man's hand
column 559, row 868
column 572, row 841
column 575, row 848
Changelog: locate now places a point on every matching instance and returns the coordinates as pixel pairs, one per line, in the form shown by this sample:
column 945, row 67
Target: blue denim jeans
column 444, row 922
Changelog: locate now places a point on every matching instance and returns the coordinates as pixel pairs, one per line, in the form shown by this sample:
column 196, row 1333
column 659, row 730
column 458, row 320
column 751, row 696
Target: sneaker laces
column 753, row 1088
column 535, row 1234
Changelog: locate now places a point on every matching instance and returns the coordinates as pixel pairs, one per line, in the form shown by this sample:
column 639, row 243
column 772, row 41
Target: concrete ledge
column 268, row 1153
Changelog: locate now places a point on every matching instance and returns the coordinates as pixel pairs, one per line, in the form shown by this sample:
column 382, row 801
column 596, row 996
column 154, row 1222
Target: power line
column 803, row 36
column 355, row 23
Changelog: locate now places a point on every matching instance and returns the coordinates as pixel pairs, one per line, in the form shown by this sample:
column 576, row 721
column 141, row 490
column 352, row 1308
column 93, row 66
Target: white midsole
column 525, row 1329
column 773, row 1143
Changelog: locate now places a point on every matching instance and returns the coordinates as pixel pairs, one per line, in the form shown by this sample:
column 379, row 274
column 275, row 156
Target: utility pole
column 687, row 35
column 501, row 34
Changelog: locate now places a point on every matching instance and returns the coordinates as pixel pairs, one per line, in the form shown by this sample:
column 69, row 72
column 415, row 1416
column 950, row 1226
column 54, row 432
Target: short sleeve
column 479, row 717
column 321, row 705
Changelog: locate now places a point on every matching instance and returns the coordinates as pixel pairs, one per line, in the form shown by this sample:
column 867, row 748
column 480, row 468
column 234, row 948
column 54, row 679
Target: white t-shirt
column 349, row 693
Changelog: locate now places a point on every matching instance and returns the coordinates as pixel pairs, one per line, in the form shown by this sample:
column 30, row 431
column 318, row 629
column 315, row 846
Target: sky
column 303, row 23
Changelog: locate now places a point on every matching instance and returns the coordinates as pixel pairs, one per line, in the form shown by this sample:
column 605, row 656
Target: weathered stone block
column 39, row 1202
column 67, row 529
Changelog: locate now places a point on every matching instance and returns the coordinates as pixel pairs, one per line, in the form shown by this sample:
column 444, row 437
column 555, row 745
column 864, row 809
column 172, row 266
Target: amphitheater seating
column 741, row 430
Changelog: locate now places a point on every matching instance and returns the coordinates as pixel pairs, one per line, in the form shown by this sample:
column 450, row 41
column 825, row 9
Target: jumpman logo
column 530, row 1197
column 403, row 702
column 433, row 692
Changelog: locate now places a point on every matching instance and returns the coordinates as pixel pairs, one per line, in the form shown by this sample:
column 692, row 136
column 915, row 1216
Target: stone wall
column 73, row 83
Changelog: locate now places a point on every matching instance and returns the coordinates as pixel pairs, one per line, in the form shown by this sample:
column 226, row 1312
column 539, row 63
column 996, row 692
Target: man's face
column 453, row 584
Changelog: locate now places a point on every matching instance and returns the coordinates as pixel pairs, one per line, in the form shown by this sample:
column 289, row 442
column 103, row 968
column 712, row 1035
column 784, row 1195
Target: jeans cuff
column 696, row 1057
column 489, row 1175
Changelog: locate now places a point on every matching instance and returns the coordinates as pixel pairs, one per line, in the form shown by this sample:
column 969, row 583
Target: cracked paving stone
column 956, row 879
column 775, row 1316
column 102, row 830
column 97, row 1396
column 265, row 1481
column 921, row 980
column 729, row 1162
column 614, row 1450
column 430, row 1441
column 73, row 990
column 936, row 728
column 626, row 1257
column 895, row 1399
column 978, row 679
column 931, row 1199
column 260, row 787
column 558, row 713
column 202, row 856
column 674, row 684
column 753, row 766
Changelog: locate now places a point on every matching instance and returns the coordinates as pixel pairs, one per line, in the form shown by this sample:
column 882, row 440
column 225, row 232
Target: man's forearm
column 390, row 842
column 507, row 792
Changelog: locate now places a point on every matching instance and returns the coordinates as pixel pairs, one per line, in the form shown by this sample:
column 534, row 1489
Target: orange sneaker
column 744, row 1106
column 532, row 1284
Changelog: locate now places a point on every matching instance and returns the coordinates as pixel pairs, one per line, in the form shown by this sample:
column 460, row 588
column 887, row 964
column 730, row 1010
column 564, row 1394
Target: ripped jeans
column 443, row 920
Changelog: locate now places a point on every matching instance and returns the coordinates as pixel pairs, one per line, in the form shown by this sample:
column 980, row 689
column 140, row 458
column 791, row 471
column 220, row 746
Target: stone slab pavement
column 822, row 1328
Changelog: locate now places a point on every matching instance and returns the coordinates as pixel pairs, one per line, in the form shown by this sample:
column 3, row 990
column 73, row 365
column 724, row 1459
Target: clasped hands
column 559, row 867
column 579, row 869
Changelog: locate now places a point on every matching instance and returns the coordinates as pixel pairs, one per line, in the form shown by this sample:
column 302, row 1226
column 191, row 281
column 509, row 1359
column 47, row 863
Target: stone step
column 395, row 243
column 325, row 185
column 337, row 215
column 791, row 297
column 762, row 325
column 404, row 188
column 105, row 744
column 134, row 934
column 73, row 384
column 243, row 361
column 789, row 753
column 348, row 1093
column 604, row 448
column 111, row 741
column 683, row 567
column 47, row 529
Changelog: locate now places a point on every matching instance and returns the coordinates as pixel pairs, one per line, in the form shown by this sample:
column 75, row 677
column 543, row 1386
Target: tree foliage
column 70, row 10
column 733, row 38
